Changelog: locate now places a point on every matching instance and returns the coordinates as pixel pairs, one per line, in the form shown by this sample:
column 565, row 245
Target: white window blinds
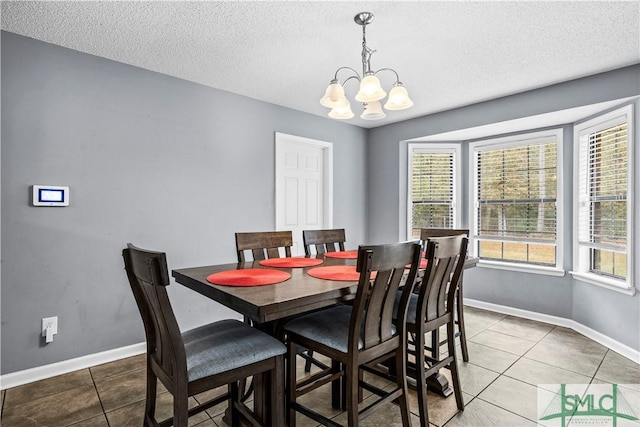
column 432, row 189
column 516, row 195
column 603, row 179
column 603, row 190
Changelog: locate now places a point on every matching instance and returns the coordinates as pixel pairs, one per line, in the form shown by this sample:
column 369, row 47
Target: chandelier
column 371, row 92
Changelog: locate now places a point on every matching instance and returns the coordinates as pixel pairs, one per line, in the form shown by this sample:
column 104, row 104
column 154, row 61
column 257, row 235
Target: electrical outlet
column 49, row 322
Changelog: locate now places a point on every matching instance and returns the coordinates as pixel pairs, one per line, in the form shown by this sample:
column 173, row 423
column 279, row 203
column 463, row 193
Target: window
column 603, row 185
column 433, row 187
column 515, row 219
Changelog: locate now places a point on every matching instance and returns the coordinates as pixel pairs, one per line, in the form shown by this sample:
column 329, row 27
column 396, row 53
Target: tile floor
column 509, row 357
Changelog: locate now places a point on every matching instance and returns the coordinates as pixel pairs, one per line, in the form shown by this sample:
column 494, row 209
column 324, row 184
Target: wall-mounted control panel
column 50, row 195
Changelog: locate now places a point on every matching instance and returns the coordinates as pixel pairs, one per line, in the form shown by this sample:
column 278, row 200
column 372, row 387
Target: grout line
column 598, row 368
column 510, row 411
column 500, row 374
column 99, row 398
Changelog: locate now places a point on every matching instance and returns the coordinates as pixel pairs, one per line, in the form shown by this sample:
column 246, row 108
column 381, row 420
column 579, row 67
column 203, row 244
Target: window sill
column 604, row 282
column 522, row 268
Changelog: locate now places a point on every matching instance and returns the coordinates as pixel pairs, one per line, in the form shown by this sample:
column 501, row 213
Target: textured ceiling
column 448, row 54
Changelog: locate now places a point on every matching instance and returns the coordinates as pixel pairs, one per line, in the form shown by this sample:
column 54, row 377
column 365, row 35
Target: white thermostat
column 50, row 195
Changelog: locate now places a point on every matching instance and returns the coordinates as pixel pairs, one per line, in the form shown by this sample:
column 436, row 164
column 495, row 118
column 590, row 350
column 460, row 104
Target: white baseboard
column 15, row 379
column 618, row 347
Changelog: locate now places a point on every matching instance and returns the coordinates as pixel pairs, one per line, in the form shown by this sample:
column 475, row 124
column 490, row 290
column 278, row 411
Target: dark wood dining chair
column 323, row 240
column 267, row 245
column 354, row 337
column 426, row 233
column 264, row 244
column 430, row 308
column 201, row 359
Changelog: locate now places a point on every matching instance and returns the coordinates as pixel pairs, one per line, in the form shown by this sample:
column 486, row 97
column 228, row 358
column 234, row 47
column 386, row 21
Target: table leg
column 437, row 382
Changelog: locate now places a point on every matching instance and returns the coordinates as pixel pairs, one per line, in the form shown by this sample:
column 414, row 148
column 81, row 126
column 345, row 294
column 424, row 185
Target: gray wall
column 179, row 167
column 611, row 313
column 150, row 159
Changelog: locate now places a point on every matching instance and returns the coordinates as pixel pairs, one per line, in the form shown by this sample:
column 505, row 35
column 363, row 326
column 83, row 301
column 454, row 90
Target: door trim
column 327, row 173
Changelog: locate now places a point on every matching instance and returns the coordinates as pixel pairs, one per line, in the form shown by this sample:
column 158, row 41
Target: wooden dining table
column 269, row 305
column 265, row 305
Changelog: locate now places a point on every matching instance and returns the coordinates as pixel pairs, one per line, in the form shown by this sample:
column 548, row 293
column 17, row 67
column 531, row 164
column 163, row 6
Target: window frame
column 581, row 256
column 435, row 148
column 520, row 139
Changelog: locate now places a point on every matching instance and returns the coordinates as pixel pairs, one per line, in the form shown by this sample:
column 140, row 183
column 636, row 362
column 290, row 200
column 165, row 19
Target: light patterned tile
column 570, row 338
column 471, row 331
column 481, row 413
column 387, row 416
column 522, row 328
column 488, row 357
column 99, row 421
column 614, row 357
column 38, row 389
column 619, row 374
column 18, row 421
column 476, row 318
column 515, row 396
column 503, row 342
column 118, row 367
column 61, row 409
column 320, row 401
column 474, row 379
column 534, row 373
column 133, row 414
column 211, row 394
column 578, row 359
column 301, row 421
column 441, row 409
column 218, row 421
column 124, row 389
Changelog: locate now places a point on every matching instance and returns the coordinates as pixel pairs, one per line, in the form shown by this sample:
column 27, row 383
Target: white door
column 303, row 186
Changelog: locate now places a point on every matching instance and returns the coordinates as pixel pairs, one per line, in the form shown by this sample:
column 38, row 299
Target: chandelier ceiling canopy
column 371, row 92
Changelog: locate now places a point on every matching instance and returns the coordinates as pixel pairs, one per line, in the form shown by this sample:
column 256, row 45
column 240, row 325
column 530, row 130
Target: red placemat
column 343, row 254
column 422, row 266
column 248, row 277
column 290, row 262
column 346, row 273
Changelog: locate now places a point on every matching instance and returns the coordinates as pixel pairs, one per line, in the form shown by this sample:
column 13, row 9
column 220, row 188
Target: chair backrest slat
column 149, row 277
column 263, row 245
column 373, row 308
column 445, row 261
column 323, row 240
column 425, row 233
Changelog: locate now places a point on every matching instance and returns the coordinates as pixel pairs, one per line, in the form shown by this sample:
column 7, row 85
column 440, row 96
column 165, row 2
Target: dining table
column 268, row 306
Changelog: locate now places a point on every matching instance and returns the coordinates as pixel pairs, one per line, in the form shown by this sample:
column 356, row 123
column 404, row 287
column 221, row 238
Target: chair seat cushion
column 226, row 345
column 329, row 327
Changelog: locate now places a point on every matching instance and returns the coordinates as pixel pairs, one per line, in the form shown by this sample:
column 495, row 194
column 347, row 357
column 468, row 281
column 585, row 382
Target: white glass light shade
column 341, row 113
column 373, row 111
column 370, row 89
column 334, row 96
column 398, row 99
